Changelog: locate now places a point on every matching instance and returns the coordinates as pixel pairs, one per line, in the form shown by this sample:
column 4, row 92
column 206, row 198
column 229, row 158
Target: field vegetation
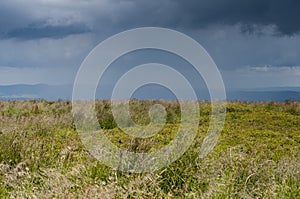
column 257, row 155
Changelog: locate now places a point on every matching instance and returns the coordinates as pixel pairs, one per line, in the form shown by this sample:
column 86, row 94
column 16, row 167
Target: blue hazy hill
column 64, row 92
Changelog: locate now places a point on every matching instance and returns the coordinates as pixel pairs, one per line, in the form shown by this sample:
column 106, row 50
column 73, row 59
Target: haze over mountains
column 64, row 92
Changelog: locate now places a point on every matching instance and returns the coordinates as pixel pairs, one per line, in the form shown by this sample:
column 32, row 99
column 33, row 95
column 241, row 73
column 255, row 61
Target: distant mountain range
column 37, row 91
column 266, row 95
column 64, row 92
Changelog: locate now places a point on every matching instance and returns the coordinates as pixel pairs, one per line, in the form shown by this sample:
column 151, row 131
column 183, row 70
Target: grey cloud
column 195, row 14
column 61, row 18
column 60, row 33
column 66, row 52
column 36, row 31
column 232, row 49
column 35, row 20
column 12, row 16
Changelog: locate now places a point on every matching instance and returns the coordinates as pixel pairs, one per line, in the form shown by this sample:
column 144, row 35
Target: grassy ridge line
column 257, row 155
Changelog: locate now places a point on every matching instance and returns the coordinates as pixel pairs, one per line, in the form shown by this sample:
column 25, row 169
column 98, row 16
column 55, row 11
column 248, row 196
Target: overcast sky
column 255, row 43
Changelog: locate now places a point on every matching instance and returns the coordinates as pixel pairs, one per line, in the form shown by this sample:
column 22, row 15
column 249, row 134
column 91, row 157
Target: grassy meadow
column 257, row 155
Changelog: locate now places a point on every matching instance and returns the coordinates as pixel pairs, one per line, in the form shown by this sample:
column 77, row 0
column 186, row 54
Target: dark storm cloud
column 195, row 14
column 41, row 38
column 27, row 20
column 12, row 17
column 36, row 31
column 19, row 19
column 250, row 14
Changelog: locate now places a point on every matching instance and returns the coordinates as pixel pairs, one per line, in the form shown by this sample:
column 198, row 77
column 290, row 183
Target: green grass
column 257, row 156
